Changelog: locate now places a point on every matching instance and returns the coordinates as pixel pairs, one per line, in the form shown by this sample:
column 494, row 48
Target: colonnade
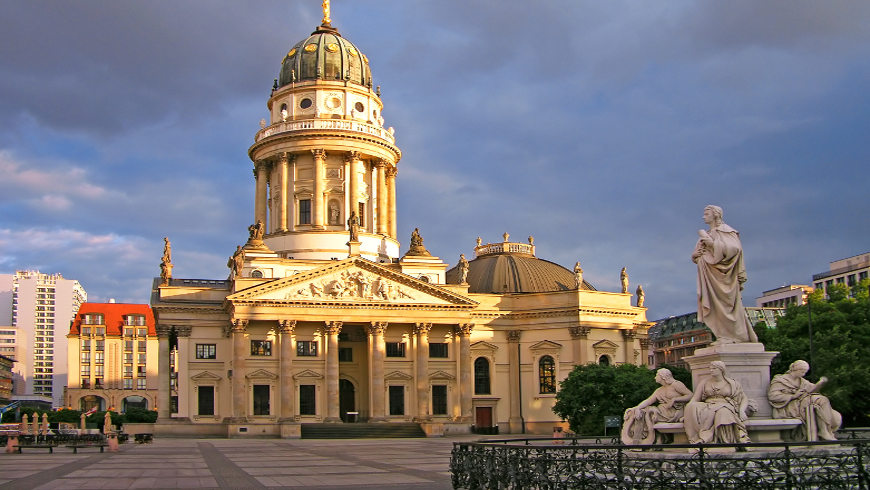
column 276, row 201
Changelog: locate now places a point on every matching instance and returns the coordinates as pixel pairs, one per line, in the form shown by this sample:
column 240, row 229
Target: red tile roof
column 113, row 315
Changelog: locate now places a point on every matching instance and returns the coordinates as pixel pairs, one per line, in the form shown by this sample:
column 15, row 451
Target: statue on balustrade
column 664, row 405
column 463, row 269
column 721, row 274
column 718, row 410
column 792, row 396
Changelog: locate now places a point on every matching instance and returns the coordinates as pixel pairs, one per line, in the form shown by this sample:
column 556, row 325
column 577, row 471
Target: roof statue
column 255, row 235
column 417, row 247
column 353, row 226
column 326, row 20
column 578, row 276
column 640, row 295
column 623, row 278
column 236, row 262
column 166, row 263
column 463, row 269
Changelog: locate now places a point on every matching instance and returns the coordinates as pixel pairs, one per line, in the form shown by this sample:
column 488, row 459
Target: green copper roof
column 325, row 55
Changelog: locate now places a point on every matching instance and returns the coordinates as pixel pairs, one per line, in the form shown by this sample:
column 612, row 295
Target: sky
column 601, row 128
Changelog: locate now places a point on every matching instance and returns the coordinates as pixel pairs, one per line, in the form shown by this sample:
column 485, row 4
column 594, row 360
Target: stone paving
column 238, row 463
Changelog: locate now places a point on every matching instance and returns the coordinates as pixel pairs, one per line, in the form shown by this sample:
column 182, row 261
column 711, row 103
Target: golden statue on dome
column 326, row 19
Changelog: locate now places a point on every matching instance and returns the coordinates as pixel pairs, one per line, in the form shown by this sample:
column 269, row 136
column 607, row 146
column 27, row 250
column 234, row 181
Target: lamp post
column 810, row 325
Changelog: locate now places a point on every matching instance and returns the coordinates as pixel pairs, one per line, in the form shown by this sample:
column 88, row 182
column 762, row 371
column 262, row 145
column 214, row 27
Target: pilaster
column 579, row 336
column 391, row 196
column 516, row 420
column 628, row 345
column 317, row 200
column 381, row 165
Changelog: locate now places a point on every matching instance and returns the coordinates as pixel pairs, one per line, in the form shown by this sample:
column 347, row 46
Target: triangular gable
column 308, row 374
column 604, row 344
column 546, row 345
column 262, row 374
column 355, row 280
column 205, row 376
column 483, row 345
column 398, row 376
column 442, row 375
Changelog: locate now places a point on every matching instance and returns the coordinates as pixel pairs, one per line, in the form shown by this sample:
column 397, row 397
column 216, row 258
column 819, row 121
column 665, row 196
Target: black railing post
column 862, row 472
column 789, row 479
column 619, row 472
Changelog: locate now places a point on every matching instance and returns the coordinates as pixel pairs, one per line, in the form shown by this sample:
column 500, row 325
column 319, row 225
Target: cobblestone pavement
column 237, row 463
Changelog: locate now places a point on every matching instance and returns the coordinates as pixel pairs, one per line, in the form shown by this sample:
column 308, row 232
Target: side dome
column 513, row 268
column 325, row 55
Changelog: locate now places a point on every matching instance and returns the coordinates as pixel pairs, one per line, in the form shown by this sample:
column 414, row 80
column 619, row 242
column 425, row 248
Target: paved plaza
column 235, row 463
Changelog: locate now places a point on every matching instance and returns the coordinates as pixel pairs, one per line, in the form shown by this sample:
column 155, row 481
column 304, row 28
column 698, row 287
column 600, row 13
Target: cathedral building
column 325, row 317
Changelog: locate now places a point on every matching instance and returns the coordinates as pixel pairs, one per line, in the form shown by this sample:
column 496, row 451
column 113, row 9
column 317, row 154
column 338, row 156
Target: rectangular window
column 173, row 404
column 86, row 370
column 128, row 383
column 261, row 347
column 362, row 215
column 86, row 330
column 128, row 332
column 86, row 344
column 100, row 345
column 128, row 346
column 395, row 349
column 306, row 348
column 134, row 320
column 128, row 371
column 307, row 404
column 439, row 399
column 141, row 359
column 141, row 383
column 305, row 211
column 345, row 354
column 261, row 399
column 100, row 330
column 438, row 350
column 98, row 383
column 98, row 370
column 205, row 400
column 128, row 357
column 142, row 346
column 142, row 332
column 206, row 351
column 397, row 400
column 86, row 382
column 86, row 357
column 141, row 371
column 99, row 357
column 93, row 319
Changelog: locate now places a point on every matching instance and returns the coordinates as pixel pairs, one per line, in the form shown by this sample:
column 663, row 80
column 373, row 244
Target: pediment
column 604, row 345
column 546, row 345
column 442, row 375
column 262, row 374
column 398, row 376
column 205, row 376
column 353, row 280
column 308, row 374
column 482, row 345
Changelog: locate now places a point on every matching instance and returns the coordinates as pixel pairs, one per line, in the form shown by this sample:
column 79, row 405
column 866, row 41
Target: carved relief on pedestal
column 352, row 285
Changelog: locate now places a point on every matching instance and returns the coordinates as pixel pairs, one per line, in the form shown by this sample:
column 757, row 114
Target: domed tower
column 325, row 155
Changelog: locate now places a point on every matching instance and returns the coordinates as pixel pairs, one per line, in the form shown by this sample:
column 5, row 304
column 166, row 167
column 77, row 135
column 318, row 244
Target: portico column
column 240, row 352
column 290, row 193
column 391, row 196
column 182, row 337
column 285, row 329
column 319, row 159
column 261, row 168
column 163, row 410
column 332, row 408
column 628, row 337
column 376, row 330
column 352, row 183
column 515, row 421
column 282, row 205
column 422, row 331
column 382, row 197
column 644, row 350
column 579, row 334
column 464, row 332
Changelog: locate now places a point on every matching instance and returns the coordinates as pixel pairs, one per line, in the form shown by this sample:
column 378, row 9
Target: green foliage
column 841, row 346
column 593, row 391
column 136, row 415
column 65, row 415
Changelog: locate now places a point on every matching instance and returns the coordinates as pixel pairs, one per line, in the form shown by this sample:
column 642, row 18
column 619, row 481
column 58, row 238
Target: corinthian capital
column 352, row 156
column 628, row 334
column 422, row 328
column 319, row 154
column 391, row 171
column 286, row 327
column 579, row 332
column 464, row 329
column 378, row 328
column 333, row 328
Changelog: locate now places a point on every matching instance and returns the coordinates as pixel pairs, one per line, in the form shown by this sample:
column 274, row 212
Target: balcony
column 327, row 124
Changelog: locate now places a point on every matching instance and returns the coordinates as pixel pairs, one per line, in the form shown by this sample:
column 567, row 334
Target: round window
column 359, row 107
column 333, row 102
column 305, row 103
column 375, row 113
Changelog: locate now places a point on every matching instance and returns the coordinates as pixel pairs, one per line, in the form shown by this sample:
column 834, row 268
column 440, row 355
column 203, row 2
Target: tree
column 841, row 346
column 593, row 391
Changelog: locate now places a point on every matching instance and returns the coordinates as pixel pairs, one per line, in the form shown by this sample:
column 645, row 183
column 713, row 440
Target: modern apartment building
column 849, row 271
column 781, row 297
column 35, row 313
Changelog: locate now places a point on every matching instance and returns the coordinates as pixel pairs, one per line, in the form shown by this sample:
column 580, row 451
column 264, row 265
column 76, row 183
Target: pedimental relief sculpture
column 721, row 274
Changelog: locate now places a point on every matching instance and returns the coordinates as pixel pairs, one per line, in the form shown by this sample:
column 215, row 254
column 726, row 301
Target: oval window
column 359, row 107
column 333, row 102
column 305, row 103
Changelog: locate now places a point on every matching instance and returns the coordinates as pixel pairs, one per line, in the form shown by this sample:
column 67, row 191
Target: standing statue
column 664, row 405
column 236, row 262
column 417, row 248
column 167, row 250
column 506, row 236
column 578, row 276
column 792, row 396
column 623, row 278
column 479, row 241
column 256, row 232
column 166, row 263
column 531, row 240
column 717, row 412
column 463, row 269
column 353, row 226
column 721, row 275
column 640, row 295
column 326, row 19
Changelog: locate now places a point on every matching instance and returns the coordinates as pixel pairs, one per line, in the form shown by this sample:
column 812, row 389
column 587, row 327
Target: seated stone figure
column 717, row 412
column 792, row 396
column 664, row 405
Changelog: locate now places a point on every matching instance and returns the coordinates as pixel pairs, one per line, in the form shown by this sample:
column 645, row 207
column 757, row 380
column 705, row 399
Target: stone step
column 361, row 431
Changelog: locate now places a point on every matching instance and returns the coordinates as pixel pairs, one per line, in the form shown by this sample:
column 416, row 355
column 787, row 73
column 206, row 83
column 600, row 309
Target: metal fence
column 570, row 464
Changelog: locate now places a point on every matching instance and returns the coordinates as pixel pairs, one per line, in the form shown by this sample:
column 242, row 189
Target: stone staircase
column 361, row 430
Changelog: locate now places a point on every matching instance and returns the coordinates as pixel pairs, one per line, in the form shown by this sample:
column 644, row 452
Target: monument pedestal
column 748, row 363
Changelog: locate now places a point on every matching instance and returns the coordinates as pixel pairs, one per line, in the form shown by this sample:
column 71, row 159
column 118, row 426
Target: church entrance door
column 347, row 401
column 483, row 417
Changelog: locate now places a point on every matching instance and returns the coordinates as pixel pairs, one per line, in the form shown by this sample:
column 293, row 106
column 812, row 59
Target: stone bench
column 764, row 430
column 76, row 447
column 50, row 447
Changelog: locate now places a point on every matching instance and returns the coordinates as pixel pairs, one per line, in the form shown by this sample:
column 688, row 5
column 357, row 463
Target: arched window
column 88, row 402
column 547, row 374
column 134, row 402
column 481, row 376
column 604, row 360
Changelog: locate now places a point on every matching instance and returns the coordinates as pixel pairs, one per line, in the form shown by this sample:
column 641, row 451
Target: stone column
column 163, row 411
column 352, row 183
column 282, row 205
column 422, row 331
column 391, row 197
column 332, row 407
column 260, row 173
column 382, row 197
column 317, row 200
column 579, row 334
column 463, row 330
column 290, row 198
column 182, row 336
column 285, row 329
column 516, row 420
column 628, row 337
column 378, row 348
column 240, row 352
column 644, row 351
